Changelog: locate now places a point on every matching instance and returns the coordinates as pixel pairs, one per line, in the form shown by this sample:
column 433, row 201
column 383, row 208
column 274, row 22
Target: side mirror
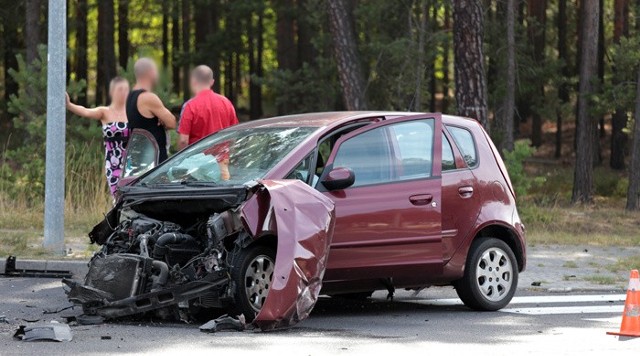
column 339, row 178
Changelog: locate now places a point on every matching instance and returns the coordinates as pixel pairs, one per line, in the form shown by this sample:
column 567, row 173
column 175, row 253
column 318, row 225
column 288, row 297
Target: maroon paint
column 303, row 221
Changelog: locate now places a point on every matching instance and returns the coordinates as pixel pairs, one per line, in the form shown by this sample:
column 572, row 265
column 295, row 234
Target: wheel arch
column 509, row 237
column 267, row 239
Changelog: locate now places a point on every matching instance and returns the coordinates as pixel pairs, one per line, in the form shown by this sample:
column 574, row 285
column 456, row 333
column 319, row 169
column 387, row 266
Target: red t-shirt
column 205, row 114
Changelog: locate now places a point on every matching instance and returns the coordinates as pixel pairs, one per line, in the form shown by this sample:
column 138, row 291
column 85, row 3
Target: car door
column 388, row 223
column 141, row 156
column 460, row 198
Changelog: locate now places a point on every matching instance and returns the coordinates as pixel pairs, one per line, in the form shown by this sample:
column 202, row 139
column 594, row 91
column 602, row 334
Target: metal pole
column 56, row 122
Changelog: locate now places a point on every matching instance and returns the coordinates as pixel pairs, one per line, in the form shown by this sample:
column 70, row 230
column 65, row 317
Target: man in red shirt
column 207, row 112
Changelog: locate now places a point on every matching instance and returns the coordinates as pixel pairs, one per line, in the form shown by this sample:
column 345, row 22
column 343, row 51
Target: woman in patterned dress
column 114, row 128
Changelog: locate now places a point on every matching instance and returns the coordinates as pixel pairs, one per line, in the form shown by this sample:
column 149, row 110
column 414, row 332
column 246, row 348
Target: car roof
column 325, row 119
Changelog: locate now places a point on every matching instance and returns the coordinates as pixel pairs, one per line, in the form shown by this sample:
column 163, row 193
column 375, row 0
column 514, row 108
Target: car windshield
column 229, row 157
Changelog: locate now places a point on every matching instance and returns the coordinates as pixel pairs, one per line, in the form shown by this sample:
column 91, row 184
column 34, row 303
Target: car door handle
column 421, row 199
column 466, row 191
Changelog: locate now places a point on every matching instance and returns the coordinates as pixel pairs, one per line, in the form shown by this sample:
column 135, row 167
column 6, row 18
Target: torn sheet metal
column 44, row 332
column 303, row 220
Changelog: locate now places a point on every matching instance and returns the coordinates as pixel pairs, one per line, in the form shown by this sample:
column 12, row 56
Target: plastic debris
column 44, row 332
column 224, row 323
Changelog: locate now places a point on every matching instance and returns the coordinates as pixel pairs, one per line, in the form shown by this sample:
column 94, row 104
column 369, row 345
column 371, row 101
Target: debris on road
column 3, row 319
column 44, row 332
column 89, row 319
column 56, row 310
column 224, row 323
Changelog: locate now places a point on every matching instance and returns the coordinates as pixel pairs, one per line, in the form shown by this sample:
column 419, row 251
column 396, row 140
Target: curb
column 77, row 268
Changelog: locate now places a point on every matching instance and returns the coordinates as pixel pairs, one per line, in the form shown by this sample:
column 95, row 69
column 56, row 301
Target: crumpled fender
column 303, row 220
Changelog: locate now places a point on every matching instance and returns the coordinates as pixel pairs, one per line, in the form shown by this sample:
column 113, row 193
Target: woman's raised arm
column 94, row 113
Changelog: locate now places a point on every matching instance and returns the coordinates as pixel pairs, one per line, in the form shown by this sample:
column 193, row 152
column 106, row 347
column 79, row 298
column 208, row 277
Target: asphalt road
column 432, row 321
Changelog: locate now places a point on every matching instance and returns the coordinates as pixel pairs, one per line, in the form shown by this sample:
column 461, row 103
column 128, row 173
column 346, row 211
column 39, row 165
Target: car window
column 389, row 153
column 466, row 144
column 301, row 171
column 142, row 155
column 415, row 148
column 245, row 153
column 448, row 159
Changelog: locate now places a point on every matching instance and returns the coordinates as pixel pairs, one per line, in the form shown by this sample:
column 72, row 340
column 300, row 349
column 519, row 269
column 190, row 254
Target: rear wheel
column 490, row 277
column 252, row 274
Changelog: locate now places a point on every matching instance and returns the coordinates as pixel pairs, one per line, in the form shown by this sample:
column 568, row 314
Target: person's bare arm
column 154, row 105
column 94, row 114
column 183, row 141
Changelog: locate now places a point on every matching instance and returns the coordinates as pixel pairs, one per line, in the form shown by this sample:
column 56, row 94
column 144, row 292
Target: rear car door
column 388, row 223
column 461, row 200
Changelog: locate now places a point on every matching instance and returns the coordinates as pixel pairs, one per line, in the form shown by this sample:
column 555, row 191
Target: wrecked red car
column 261, row 218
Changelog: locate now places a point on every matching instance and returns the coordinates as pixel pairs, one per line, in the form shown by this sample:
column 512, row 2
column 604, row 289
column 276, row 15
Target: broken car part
column 258, row 250
column 41, row 332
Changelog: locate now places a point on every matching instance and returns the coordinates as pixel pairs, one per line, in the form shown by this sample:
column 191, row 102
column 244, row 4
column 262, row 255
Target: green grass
column 625, row 264
column 570, row 264
column 602, row 280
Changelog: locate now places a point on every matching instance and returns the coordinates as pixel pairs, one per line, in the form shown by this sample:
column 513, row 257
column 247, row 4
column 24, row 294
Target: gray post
column 56, row 122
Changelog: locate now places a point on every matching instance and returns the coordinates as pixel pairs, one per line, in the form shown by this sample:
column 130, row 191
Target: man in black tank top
column 145, row 109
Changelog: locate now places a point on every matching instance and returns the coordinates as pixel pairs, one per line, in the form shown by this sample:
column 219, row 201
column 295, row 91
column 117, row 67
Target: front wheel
column 252, row 274
column 490, row 277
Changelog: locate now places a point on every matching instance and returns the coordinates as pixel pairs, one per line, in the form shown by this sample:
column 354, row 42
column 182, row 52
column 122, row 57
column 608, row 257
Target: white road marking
column 547, row 299
column 591, row 309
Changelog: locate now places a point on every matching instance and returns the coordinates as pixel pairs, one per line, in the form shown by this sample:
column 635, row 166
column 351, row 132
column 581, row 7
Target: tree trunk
column 32, row 29
column 619, row 118
column 470, row 77
column 600, row 132
column 256, row 44
column 420, row 62
column 175, row 46
column 106, row 50
column 633, row 194
column 345, row 50
column 186, row 48
column 508, row 106
column 286, row 51
column 537, row 34
column 446, row 49
column 433, row 78
column 123, row 32
column 563, row 91
column 306, row 51
column 81, row 69
column 586, row 123
column 165, row 34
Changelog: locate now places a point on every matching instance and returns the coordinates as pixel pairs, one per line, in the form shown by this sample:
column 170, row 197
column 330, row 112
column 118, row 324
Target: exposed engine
column 147, row 264
column 177, row 252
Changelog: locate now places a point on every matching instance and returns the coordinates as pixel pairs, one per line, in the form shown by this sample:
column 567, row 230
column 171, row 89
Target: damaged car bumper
column 258, row 250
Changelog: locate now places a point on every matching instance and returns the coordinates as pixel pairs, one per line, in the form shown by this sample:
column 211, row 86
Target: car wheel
column 490, row 277
column 252, row 274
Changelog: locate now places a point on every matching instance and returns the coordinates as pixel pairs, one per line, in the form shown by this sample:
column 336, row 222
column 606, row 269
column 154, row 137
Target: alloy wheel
column 494, row 274
column 258, row 277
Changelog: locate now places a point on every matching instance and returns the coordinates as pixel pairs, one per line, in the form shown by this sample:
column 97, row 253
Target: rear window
column 466, row 144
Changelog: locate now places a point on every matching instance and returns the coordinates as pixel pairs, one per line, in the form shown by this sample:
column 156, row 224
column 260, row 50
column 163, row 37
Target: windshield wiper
column 192, row 183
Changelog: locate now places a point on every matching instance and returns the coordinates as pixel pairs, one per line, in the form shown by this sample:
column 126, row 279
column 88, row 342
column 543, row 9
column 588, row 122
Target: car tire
column 490, row 276
column 252, row 273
